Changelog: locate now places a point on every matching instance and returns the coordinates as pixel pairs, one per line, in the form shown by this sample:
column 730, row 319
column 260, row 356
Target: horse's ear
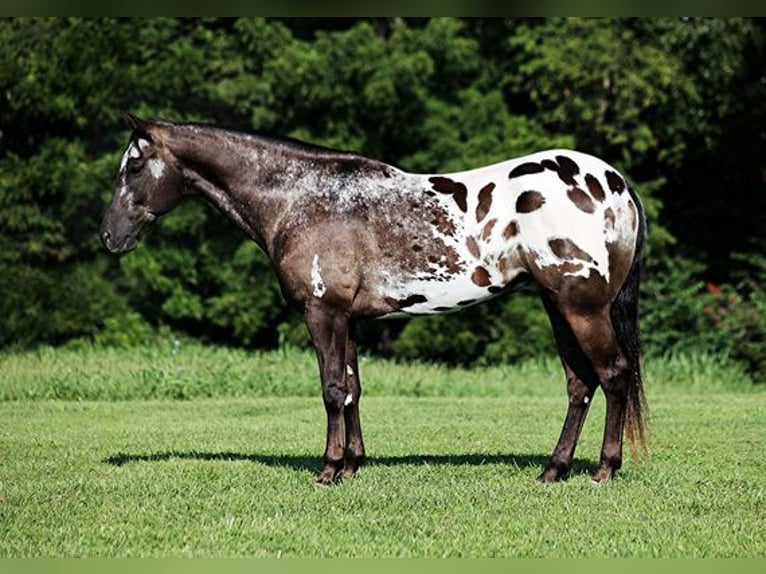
column 138, row 126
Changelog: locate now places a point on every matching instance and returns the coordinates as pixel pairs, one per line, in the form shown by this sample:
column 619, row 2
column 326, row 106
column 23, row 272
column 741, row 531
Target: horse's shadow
column 307, row 463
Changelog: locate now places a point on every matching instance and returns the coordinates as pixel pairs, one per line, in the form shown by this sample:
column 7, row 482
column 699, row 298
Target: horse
column 351, row 238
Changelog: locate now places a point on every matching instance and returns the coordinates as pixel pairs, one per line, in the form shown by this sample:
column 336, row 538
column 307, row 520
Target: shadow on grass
column 314, row 463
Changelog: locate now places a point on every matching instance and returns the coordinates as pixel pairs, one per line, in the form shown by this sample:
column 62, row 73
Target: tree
column 676, row 103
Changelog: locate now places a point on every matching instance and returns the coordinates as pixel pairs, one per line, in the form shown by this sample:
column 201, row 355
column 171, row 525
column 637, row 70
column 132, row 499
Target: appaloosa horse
column 351, row 238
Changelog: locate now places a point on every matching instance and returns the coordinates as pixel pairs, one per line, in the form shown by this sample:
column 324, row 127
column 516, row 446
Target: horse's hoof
column 351, row 466
column 602, row 475
column 548, row 475
column 553, row 473
column 328, row 477
column 348, row 472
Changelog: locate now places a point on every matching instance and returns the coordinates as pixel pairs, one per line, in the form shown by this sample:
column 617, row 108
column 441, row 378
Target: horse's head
column 149, row 184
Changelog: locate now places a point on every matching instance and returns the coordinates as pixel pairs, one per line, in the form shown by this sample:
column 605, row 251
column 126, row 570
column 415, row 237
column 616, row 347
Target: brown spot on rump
column 550, row 164
column 511, row 229
column 567, row 249
column 488, row 229
column 609, row 217
column 502, row 264
column 569, row 267
column 450, row 187
column 595, row 188
column 581, row 199
column 473, row 247
column 615, row 182
column 526, row 169
column 567, row 169
column 529, row 201
column 485, row 202
column 480, row 277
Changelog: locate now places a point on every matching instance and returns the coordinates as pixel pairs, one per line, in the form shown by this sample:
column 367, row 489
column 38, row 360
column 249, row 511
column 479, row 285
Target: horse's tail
column 624, row 316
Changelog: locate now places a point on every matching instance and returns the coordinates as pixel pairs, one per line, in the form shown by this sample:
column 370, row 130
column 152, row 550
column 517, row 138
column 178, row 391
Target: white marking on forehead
column 128, row 153
column 157, row 167
column 316, row 278
column 131, row 152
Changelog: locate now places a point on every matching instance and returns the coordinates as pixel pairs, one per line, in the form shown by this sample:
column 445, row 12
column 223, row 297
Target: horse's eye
column 135, row 164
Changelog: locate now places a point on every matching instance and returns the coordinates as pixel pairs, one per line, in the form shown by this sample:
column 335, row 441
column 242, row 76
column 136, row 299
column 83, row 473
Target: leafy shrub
column 507, row 329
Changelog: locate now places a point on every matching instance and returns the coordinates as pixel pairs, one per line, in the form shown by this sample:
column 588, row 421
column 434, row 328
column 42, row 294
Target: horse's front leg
column 329, row 332
column 354, row 456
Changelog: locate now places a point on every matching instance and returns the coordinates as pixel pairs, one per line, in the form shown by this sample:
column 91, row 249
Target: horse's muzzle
column 128, row 243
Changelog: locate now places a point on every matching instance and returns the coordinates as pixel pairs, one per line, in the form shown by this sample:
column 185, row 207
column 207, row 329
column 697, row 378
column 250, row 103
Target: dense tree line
column 676, row 103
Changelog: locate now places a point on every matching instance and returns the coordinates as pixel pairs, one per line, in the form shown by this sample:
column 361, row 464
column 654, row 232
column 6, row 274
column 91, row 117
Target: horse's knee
column 579, row 393
column 334, row 398
column 614, row 377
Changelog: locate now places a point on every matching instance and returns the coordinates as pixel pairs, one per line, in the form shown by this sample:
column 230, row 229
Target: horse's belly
column 430, row 295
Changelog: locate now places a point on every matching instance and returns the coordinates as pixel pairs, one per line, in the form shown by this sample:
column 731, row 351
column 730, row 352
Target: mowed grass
column 450, row 473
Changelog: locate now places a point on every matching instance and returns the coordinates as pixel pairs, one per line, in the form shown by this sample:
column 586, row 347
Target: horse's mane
column 285, row 142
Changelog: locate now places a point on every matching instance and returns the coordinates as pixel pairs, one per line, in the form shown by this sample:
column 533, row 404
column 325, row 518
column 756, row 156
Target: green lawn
column 448, row 475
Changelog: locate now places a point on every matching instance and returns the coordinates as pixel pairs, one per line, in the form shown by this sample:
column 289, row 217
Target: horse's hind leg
column 596, row 338
column 599, row 342
column 582, row 382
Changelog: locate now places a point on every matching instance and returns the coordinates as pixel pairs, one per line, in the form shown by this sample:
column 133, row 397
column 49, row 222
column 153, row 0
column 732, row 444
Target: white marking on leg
column 316, row 278
column 349, row 400
column 349, row 371
column 586, row 400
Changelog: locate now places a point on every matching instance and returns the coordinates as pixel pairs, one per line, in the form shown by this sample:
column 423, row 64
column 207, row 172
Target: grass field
column 209, row 452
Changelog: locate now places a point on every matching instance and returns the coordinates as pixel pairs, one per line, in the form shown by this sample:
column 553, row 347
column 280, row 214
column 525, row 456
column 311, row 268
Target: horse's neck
column 255, row 181
column 248, row 179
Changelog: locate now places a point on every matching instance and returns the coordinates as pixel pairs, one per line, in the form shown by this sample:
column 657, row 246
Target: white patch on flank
column 349, row 400
column 157, row 167
column 316, row 278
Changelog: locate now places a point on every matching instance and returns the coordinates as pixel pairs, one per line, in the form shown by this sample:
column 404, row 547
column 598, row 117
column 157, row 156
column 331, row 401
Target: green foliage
column 506, row 330
column 136, row 363
column 675, row 102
